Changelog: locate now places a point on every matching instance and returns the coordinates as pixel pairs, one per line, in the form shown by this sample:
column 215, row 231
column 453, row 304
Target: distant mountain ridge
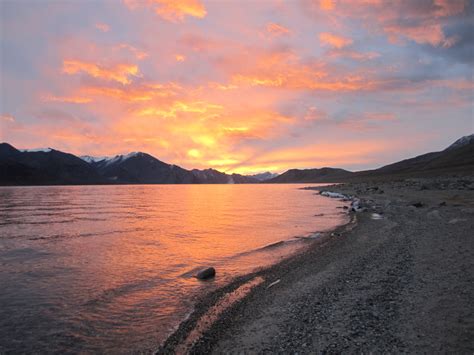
column 311, row 175
column 264, row 176
column 48, row 166
column 44, row 167
column 53, row 167
column 458, row 158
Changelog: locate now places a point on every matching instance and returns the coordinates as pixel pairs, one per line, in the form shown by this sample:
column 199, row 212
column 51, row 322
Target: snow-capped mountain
column 44, row 167
column 47, row 166
column 36, row 150
column 463, row 141
column 90, row 159
column 264, row 176
column 212, row 176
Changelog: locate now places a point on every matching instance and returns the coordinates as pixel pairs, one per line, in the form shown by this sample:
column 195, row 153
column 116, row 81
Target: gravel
column 401, row 283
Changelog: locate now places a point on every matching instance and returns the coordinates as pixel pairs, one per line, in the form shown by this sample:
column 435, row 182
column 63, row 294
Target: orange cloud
column 297, row 80
column 315, row 156
column 276, row 30
column 352, row 54
column 326, row 5
column 367, row 122
column 139, row 54
column 172, row 10
column 7, row 118
column 421, row 22
column 177, row 107
column 102, row 27
column 430, row 34
column 334, row 40
column 70, row 99
column 176, row 10
column 180, row 58
column 133, row 93
column 119, row 73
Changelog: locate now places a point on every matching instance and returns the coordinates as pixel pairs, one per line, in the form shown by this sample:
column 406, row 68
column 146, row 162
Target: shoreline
column 316, row 301
column 269, row 274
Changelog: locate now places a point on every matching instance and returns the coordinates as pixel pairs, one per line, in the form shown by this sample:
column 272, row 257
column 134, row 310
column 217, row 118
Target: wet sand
column 400, row 283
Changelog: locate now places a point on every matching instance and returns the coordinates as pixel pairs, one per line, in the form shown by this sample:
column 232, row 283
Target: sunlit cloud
column 176, row 107
column 326, row 5
column 172, row 10
column 180, row 57
column 334, row 40
column 367, row 122
column 120, row 73
column 276, row 30
column 139, row 54
column 7, row 118
column 210, row 84
column 67, row 99
column 176, row 10
column 102, row 27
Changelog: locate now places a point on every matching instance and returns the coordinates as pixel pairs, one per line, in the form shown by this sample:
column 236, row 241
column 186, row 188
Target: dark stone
column 206, row 273
column 417, row 204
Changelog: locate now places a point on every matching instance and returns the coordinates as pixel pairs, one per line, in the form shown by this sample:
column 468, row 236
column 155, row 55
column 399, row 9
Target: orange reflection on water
column 119, row 261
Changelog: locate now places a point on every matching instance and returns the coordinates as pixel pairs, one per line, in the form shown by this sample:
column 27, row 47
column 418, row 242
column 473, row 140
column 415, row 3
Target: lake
column 110, row 268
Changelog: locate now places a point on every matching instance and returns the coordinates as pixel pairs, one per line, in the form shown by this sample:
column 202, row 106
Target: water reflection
column 94, row 268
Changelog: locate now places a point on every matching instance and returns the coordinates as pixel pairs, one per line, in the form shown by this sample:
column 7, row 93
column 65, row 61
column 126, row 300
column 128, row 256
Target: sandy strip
column 401, row 281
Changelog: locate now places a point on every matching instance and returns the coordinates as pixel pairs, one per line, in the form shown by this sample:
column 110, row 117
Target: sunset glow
column 241, row 87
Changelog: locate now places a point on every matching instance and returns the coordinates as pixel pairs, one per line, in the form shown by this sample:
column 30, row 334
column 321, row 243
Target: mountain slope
column 212, row 176
column 264, row 176
column 53, row 167
column 44, row 167
column 142, row 168
column 457, row 158
column 311, row 175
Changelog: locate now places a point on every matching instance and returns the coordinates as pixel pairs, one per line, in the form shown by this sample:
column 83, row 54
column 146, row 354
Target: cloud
column 120, row 73
column 352, row 54
column 275, row 30
column 7, row 118
column 334, row 40
column 369, row 121
column 139, row 54
column 66, row 99
column 132, row 93
column 165, row 81
column 326, row 5
column 102, row 27
column 172, row 10
column 316, row 155
column 284, row 70
column 179, row 106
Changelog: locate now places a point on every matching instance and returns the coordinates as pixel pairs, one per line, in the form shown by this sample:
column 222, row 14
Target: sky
column 238, row 86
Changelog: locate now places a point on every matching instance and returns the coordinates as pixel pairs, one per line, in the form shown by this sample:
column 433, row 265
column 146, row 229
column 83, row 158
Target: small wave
column 266, row 248
column 85, row 235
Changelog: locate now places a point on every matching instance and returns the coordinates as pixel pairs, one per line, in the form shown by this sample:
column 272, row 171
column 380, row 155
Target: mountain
column 211, row 176
column 458, row 158
column 43, row 167
column 264, row 176
column 141, row 168
column 461, row 142
column 48, row 166
column 311, row 175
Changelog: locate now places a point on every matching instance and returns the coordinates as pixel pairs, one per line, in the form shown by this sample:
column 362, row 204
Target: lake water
column 110, row 268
